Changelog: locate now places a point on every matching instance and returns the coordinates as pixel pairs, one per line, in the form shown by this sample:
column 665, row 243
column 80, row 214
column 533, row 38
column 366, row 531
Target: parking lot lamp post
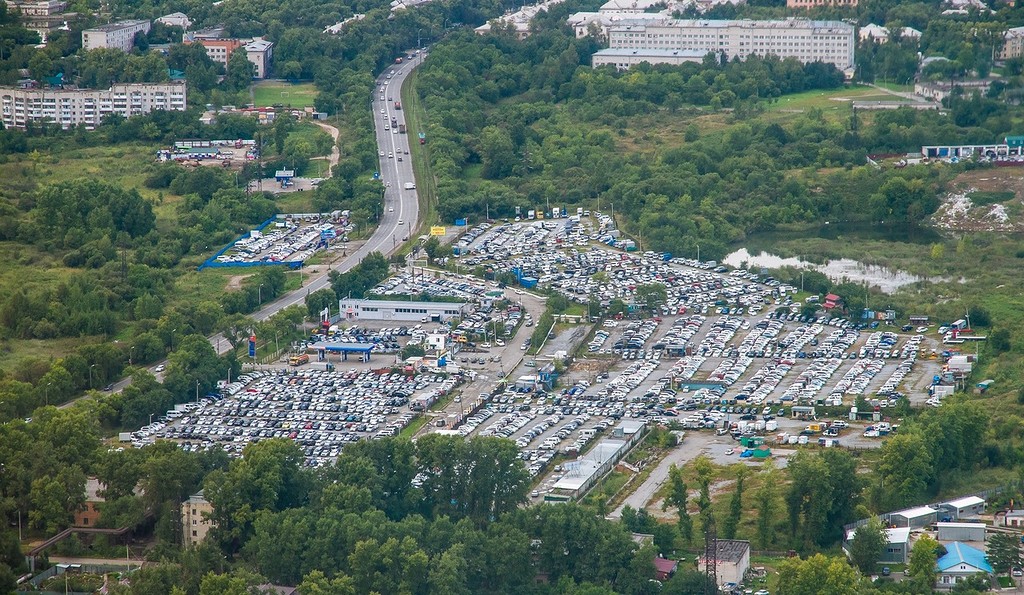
column 698, row 252
column 259, row 294
column 197, row 392
column 801, row 282
column 150, row 419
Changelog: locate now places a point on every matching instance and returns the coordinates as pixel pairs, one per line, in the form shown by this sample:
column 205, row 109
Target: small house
column 960, row 531
column 914, row 518
column 960, row 562
column 962, row 508
column 733, row 560
column 1014, row 518
column 833, row 302
column 664, row 568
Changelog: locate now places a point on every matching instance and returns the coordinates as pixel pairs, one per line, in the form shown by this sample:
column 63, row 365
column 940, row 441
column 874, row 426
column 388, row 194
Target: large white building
column 118, row 36
column 623, row 59
column 401, row 311
column 71, row 107
column 831, row 42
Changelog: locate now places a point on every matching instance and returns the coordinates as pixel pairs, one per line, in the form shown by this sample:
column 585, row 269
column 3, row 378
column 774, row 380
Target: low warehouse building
column 914, row 518
column 962, row 508
column 961, row 531
column 402, row 311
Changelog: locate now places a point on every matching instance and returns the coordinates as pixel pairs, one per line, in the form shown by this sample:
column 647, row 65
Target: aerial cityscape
column 683, row 297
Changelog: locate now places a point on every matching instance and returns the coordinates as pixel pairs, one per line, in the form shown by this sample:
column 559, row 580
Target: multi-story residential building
column 42, row 16
column 1013, row 44
column 815, row 3
column 120, row 35
column 831, row 42
column 195, row 519
column 220, row 50
column 260, row 52
column 72, row 107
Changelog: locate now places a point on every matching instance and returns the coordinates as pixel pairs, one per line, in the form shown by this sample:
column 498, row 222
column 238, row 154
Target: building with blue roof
column 961, row 561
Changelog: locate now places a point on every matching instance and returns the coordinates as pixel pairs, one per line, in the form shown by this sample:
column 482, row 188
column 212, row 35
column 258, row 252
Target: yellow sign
column 437, row 230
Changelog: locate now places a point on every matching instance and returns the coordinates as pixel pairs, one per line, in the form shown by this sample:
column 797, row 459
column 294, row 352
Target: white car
column 400, row 222
column 159, row 368
column 382, row 110
column 391, row 155
column 382, row 153
column 391, row 209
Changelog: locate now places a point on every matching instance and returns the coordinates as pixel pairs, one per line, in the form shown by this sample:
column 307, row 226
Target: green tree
column 732, row 520
column 240, row 72
column 766, row 499
column 678, row 497
column 869, row 543
column 921, row 566
column 651, row 295
column 816, row 575
column 904, row 469
column 320, row 300
column 316, row 583
column 1003, row 552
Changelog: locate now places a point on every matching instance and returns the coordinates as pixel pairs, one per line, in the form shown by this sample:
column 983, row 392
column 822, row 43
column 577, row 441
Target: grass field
column 268, row 93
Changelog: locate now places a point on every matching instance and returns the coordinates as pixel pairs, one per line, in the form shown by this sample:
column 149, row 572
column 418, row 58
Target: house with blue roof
column 960, row 562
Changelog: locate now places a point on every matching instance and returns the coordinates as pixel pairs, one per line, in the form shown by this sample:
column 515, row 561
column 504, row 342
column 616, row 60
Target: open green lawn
column 835, row 100
column 268, row 93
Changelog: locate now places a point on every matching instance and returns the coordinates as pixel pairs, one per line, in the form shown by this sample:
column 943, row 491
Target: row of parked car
column 321, row 411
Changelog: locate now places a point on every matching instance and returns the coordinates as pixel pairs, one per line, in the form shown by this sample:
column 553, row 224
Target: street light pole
column 197, row 392
column 90, row 374
column 259, row 294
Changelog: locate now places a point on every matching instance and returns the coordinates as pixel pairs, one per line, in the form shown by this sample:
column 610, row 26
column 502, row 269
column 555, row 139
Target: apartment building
column 1013, row 44
column 42, row 16
column 72, row 107
column 119, row 36
column 831, row 42
column 195, row 519
column 260, row 52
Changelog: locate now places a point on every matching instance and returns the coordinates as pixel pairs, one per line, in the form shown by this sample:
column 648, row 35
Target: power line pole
column 710, row 558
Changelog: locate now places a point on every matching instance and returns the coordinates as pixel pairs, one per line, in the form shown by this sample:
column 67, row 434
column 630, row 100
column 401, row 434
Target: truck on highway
column 398, row 105
column 423, row 138
column 410, row 186
column 398, row 60
column 401, row 128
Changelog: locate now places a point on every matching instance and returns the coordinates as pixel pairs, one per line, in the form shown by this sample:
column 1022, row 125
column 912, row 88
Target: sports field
column 268, row 93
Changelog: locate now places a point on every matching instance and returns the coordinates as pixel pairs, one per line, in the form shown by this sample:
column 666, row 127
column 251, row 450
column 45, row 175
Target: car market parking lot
column 320, row 411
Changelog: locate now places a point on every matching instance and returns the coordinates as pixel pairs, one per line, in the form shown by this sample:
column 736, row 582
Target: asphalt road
column 401, row 207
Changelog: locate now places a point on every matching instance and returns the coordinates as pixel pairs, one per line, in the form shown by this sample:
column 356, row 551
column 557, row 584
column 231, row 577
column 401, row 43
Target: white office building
column 71, row 107
column 401, row 311
column 831, row 42
column 118, row 36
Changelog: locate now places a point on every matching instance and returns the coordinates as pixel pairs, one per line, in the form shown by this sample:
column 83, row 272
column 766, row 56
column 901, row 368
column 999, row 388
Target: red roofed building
column 833, row 301
column 664, row 568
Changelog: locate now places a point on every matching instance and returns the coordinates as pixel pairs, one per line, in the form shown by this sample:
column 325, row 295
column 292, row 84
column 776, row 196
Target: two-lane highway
column 400, row 210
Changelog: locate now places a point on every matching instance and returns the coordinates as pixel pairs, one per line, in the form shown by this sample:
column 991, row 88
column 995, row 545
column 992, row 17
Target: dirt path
column 335, row 152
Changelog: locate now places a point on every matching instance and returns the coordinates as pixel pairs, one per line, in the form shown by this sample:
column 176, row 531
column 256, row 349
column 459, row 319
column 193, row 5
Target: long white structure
column 118, row 36
column 831, row 42
column 71, row 107
column 401, row 311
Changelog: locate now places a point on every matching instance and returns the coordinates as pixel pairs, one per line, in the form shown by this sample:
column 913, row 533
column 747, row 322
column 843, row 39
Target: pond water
column 888, row 280
column 758, row 252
